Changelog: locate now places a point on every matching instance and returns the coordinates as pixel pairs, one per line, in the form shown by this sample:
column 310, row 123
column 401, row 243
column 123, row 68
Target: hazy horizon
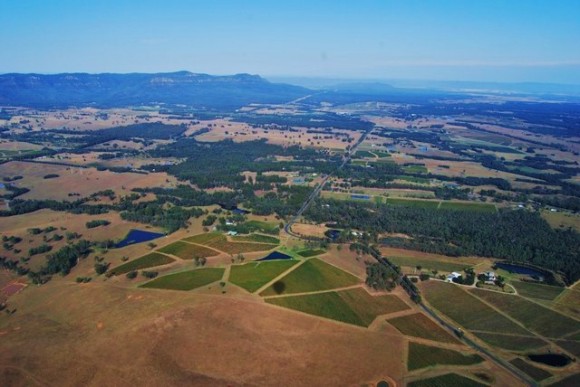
column 492, row 41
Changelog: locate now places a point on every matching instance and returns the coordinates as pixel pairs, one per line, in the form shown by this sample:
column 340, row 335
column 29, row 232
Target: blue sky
column 481, row 40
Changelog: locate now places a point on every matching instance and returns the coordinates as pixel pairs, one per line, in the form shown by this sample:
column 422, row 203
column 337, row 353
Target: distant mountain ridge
column 113, row 90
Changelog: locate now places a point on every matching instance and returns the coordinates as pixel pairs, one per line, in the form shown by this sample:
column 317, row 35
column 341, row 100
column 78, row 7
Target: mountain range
column 114, row 90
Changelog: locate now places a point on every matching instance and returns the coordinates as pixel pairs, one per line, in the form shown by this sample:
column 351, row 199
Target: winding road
column 496, row 359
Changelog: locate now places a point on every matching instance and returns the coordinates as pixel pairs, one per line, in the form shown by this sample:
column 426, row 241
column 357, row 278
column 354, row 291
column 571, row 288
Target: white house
column 490, row 276
column 452, row 276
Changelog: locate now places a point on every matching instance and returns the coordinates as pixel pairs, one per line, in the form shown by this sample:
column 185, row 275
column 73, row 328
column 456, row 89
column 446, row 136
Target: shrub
column 101, row 268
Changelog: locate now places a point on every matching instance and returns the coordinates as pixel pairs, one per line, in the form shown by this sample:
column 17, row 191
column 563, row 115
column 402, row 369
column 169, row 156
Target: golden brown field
column 84, row 181
column 155, row 337
column 239, row 132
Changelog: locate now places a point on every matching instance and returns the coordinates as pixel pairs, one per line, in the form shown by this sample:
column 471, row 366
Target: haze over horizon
column 491, row 41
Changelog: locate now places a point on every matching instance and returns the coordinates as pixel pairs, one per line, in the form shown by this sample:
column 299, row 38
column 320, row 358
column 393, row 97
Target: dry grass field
column 18, row 225
column 91, row 158
column 151, row 338
column 460, row 169
column 347, row 260
column 15, row 146
column 395, row 252
column 316, row 230
column 562, row 219
column 89, row 118
column 84, row 181
column 225, row 129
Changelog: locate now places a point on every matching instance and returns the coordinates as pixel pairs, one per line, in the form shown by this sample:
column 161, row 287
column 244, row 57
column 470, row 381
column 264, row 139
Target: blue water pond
column 138, row 236
column 519, row 269
column 332, row 234
column 275, row 255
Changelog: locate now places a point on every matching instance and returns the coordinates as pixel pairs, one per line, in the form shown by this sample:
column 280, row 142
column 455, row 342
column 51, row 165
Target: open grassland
column 533, row 316
column 346, row 260
column 252, row 276
column 311, row 253
column 186, row 280
column 562, row 219
column 353, row 306
column 415, row 169
column 468, row 206
column 413, row 203
column 532, row 290
column 312, row 276
column 459, row 168
column 144, row 262
column 429, row 264
column 259, row 238
column 226, row 129
column 268, row 227
column 419, row 325
column 446, row 380
column 395, row 193
column 84, row 181
column 511, row 342
column 399, row 252
column 467, row 310
column 165, row 338
column 186, row 250
column 220, row 242
column 421, row 356
column 64, row 223
column 314, row 230
column 535, row 373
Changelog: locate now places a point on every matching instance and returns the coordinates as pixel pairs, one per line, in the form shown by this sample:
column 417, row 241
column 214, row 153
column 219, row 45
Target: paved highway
column 347, row 157
column 499, row 361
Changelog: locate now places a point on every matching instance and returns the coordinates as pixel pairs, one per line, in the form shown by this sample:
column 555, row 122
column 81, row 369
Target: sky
column 467, row 40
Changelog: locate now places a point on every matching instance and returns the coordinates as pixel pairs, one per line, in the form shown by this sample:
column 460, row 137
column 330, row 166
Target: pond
column 138, row 236
column 519, row 269
column 360, row 197
column 234, row 209
column 332, row 234
column 551, row 359
column 275, row 255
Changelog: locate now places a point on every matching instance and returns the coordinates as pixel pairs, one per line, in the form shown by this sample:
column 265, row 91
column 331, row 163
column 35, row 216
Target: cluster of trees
column 13, row 191
column 96, row 223
column 44, row 248
column 156, row 214
column 66, row 258
column 317, row 120
column 12, row 265
column 520, row 235
column 220, row 164
column 380, row 277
